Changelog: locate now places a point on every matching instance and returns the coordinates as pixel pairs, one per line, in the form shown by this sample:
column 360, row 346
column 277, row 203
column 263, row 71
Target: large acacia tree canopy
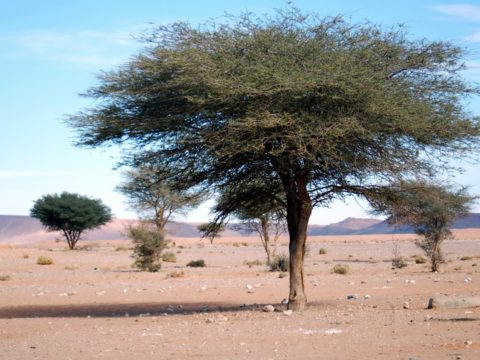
column 289, row 99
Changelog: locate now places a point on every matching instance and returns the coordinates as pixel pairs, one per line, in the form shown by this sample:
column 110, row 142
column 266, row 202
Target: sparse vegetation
column 25, row 255
column 398, row 262
column 176, row 274
column 419, row 259
column 322, row 251
column 44, row 260
column 253, row 263
column 169, row 257
column 342, row 269
column 6, row 277
column 121, row 248
column 280, row 263
column 71, row 267
column 197, row 263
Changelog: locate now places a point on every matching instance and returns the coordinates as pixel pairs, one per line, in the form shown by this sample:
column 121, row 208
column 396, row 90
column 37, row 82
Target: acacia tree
column 430, row 209
column 315, row 108
column 149, row 194
column 72, row 214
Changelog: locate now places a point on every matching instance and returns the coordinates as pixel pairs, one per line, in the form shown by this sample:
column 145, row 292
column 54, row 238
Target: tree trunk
column 265, row 238
column 299, row 209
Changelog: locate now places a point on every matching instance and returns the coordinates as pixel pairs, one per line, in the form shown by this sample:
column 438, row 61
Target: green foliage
column 149, row 242
column 342, row 269
column 196, row 263
column 45, row 260
column 280, row 263
column 71, row 214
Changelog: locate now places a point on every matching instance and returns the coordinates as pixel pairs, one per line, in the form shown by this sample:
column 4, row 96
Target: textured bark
column 299, row 209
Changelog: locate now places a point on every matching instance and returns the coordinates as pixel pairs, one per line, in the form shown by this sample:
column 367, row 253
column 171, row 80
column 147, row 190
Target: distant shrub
column 5, row 277
column 169, row 257
column 71, row 267
column 322, row 251
column 253, row 263
column 176, row 274
column 342, row 269
column 280, row 263
column 398, row 261
column 419, row 259
column 26, row 256
column 121, row 248
column 196, row 263
column 44, row 260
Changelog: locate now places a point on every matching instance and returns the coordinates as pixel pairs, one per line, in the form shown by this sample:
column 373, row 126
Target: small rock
column 436, row 280
column 468, row 342
column 406, row 305
column 351, row 283
column 100, row 293
column 249, row 287
column 366, row 297
column 203, row 288
column 467, row 279
column 410, row 281
column 288, row 312
column 268, row 308
column 284, row 302
column 352, row 297
column 333, row 331
column 363, row 282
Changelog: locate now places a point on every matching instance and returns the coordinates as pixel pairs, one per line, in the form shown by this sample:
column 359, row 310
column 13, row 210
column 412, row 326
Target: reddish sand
column 90, row 304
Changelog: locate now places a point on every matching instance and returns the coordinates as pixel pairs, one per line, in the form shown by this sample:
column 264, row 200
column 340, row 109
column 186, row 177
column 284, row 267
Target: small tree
column 429, row 209
column 149, row 242
column 153, row 199
column 211, row 230
column 71, row 214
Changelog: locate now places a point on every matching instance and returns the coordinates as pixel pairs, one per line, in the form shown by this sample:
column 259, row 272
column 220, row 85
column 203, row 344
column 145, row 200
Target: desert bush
column 6, row 277
column 121, row 248
column 322, row 251
column 419, row 259
column 197, row 263
column 280, row 263
column 169, row 257
column 25, row 255
column 342, row 269
column 44, row 260
column 71, row 267
column 176, row 274
column 398, row 261
column 253, row 263
column 149, row 242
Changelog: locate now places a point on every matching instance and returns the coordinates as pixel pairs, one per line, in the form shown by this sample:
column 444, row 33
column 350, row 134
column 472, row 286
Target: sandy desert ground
column 90, row 304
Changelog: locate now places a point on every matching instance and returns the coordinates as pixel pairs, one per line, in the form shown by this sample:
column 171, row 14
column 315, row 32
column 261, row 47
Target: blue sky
column 51, row 50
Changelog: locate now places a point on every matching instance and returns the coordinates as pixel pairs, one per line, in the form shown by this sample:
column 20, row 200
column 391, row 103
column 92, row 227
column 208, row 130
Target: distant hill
column 24, row 229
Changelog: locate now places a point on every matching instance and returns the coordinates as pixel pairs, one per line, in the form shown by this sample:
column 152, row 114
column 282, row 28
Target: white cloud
column 474, row 38
column 460, row 11
column 87, row 47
